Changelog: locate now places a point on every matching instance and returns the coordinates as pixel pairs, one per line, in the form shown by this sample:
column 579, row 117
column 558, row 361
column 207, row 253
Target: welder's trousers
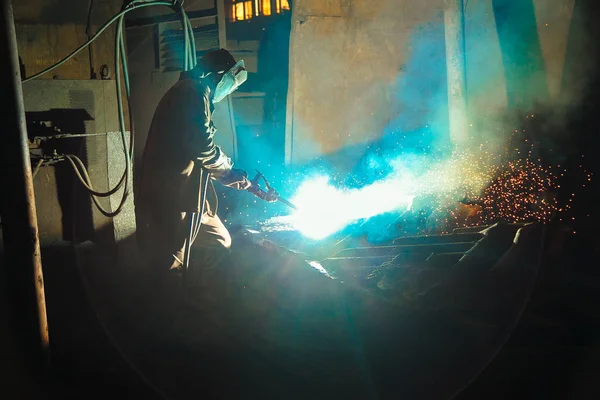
column 163, row 237
column 213, row 239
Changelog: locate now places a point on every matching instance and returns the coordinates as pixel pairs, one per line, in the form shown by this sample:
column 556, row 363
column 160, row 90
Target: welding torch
column 270, row 194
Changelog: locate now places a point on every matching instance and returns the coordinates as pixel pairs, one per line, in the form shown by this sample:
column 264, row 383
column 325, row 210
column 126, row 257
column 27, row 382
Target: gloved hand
column 270, row 196
column 236, row 178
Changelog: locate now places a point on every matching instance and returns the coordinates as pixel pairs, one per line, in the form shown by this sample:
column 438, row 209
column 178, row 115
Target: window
column 282, row 5
column 241, row 10
column 266, row 7
column 247, row 9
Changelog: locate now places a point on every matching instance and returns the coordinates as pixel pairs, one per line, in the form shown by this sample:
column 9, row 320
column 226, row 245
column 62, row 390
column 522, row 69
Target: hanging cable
column 192, row 47
column 186, row 43
column 121, row 70
column 87, row 34
column 86, row 181
column 128, row 153
column 79, row 169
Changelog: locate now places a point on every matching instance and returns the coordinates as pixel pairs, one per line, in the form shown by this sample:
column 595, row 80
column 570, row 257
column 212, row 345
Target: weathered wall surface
column 49, row 30
column 345, row 59
column 360, row 69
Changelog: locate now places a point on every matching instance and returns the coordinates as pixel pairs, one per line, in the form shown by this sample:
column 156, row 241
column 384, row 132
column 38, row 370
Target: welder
column 180, row 143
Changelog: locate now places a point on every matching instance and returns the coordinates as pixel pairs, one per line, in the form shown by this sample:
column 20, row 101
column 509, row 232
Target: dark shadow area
column 55, row 121
column 314, row 337
column 55, row 12
column 85, row 360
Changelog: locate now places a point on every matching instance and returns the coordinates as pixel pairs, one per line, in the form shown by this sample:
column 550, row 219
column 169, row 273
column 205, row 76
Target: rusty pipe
column 17, row 204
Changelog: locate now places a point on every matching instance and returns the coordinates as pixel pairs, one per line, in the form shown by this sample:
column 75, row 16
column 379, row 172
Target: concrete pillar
column 456, row 71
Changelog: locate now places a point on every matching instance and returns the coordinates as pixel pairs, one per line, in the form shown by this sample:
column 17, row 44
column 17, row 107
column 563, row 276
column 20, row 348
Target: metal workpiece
column 23, row 262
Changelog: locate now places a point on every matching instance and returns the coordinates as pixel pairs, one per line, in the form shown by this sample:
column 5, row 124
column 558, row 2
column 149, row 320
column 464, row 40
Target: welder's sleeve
column 201, row 137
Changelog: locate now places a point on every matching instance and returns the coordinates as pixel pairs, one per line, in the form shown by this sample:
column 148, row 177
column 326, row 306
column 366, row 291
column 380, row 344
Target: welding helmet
column 230, row 81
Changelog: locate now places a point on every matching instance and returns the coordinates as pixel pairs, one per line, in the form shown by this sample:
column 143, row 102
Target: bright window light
column 266, row 7
column 248, row 9
column 239, row 12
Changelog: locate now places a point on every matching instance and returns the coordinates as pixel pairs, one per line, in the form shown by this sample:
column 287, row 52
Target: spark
column 477, row 186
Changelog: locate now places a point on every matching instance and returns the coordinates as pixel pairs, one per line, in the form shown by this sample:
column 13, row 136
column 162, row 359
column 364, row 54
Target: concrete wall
column 346, row 58
column 49, row 30
column 360, row 69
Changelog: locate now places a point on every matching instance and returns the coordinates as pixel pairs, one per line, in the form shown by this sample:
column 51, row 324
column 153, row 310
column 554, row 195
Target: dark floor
column 337, row 346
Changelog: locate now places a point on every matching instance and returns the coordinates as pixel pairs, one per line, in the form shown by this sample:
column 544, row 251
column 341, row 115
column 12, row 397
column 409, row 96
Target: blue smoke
column 416, row 136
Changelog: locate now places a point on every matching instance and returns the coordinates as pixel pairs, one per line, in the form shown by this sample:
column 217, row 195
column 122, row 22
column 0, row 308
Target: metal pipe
column 77, row 135
column 454, row 23
column 17, row 204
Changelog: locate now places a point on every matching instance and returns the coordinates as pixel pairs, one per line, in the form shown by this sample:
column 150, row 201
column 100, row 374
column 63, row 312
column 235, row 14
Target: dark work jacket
column 179, row 142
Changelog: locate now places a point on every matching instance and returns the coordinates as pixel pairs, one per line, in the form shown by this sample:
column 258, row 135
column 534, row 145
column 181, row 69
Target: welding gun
column 271, row 195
